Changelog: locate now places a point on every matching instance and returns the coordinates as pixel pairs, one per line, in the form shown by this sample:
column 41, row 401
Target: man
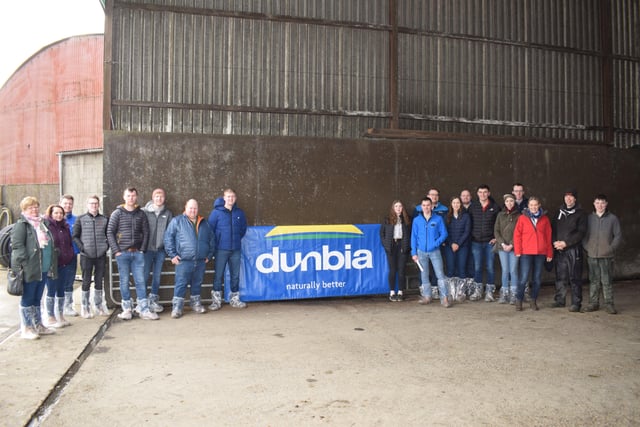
column 465, row 199
column 428, row 233
column 229, row 225
column 441, row 210
column 483, row 219
column 159, row 218
column 190, row 244
column 128, row 236
column 66, row 202
column 569, row 228
column 603, row 237
column 518, row 193
column 90, row 236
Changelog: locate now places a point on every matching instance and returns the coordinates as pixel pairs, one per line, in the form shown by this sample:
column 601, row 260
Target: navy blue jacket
column 228, row 226
column 459, row 230
column 181, row 239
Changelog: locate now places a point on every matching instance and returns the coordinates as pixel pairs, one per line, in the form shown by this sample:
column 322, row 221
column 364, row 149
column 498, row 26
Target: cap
column 572, row 191
column 508, row 196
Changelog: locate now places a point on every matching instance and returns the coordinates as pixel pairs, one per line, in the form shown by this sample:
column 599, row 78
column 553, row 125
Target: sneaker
column 609, row 308
column 102, row 311
column 69, row 311
column 85, row 312
column 29, row 334
column 216, row 301
column 125, row 315
column 42, row 330
column 236, row 303
column 52, row 322
column 589, row 308
column 176, row 314
column 64, row 322
column 198, row 308
column 556, row 304
column 574, row 309
column 399, row 297
column 155, row 307
column 149, row 315
column 392, row 297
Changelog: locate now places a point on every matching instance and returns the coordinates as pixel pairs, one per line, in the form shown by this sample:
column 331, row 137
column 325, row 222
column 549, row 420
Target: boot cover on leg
column 234, row 300
column 477, row 292
column 488, row 296
column 154, row 305
column 99, row 305
column 177, row 305
column 126, row 310
column 512, row 295
column 527, row 293
column 68, row 305
column 52, row 322
column 196, row 305
column 27, row 331
column 434, row 293
column 504, row 295
column 60, row 311
column 85, row 305
column 424, row 297
column 37, row 322
column 145, row 313
column 451, row 286
column 216, row 300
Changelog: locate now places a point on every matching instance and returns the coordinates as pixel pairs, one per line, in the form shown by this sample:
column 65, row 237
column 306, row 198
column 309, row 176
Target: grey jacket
column 157, row 226
column 603, row 236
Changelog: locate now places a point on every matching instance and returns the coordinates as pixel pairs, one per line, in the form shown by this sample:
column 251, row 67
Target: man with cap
column 569, row 228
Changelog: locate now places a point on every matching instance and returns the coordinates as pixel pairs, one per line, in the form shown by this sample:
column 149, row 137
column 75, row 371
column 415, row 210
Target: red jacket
column 530, row 240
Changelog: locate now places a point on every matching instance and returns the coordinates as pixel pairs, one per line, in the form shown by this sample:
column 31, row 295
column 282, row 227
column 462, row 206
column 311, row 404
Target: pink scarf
column 41, row 230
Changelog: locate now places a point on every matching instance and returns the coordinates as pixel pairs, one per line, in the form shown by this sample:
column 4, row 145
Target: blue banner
column 312, row 261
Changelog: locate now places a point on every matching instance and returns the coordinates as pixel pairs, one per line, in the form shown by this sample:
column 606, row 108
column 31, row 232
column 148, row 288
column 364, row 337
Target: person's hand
column 549, row 259
column 559, row 245
column 455, row 247
column 175, row 260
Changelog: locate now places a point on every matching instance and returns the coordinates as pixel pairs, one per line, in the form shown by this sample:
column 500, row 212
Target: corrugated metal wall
column 530, row 68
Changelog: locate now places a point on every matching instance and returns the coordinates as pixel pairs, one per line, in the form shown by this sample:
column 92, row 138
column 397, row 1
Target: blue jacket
column 181, row 239
column 427, row 236
column 459, row 230
column 228, row 226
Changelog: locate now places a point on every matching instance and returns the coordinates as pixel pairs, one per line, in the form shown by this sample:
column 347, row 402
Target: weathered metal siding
column 52, row 103
column 522, row 68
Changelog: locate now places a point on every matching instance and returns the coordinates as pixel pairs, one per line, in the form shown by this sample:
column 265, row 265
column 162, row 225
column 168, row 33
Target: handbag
column 15, row 282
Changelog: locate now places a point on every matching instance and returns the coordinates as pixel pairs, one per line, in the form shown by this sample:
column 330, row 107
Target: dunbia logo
column 344, row 258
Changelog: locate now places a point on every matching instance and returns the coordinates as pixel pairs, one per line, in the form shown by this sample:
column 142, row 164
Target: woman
column 33, row 253
column 532, row 244
column 55, row 287
column 503, row 232
column 395, row 234
column 456, row 249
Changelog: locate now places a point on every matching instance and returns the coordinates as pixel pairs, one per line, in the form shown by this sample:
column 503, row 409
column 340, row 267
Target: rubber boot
column 504, row 295
column 60, row 311
column 177, row 306
column 85, row 306
column 27, row 331
column 68, row 305
column 196, row 305
column 50, row 303
column 488, row 297
column 99, row 305
column 37, row 322
column 126, row 310
column 234, row 300
column 154, row 305
column 216, row 300
column 145, row 313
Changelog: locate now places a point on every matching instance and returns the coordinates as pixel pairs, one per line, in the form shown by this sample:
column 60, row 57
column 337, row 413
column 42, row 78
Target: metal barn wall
column 521, row 68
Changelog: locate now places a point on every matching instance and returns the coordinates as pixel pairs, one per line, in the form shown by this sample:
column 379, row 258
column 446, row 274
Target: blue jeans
column 32, row 292
column 153, row 261
column 232, row 258
column 70, row 276
column 189, row 273
column 527, row 263
column 56, row 287
column 436, row 260
column 509, row 264
column 131, row 262
column 483, row 252
column 456, row 261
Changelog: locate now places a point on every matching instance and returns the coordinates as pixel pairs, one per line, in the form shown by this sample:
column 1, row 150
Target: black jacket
column 483, row 221
column 90, row 235
column 386, row 236
column 128, row 230
column 570, row 225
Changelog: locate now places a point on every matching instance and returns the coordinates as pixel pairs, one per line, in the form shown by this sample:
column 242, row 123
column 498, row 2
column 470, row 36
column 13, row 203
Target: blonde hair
column 27, row 202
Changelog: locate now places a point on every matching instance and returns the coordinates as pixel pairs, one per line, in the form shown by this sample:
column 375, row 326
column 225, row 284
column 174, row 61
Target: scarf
column 41, row 229
column 565, row 211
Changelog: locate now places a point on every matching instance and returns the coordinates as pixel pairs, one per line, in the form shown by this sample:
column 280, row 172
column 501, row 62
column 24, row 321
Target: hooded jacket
column 570, row 225
column 228, row 226
column 504, row 227
column 157, row 226
column 181, row 239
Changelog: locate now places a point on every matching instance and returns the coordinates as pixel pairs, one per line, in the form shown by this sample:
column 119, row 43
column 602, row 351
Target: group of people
column 464, row 237
column 45, row 248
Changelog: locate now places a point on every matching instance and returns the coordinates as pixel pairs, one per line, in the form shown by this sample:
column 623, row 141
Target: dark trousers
column 95, row 266
column 569, row 273
column 397, row 261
